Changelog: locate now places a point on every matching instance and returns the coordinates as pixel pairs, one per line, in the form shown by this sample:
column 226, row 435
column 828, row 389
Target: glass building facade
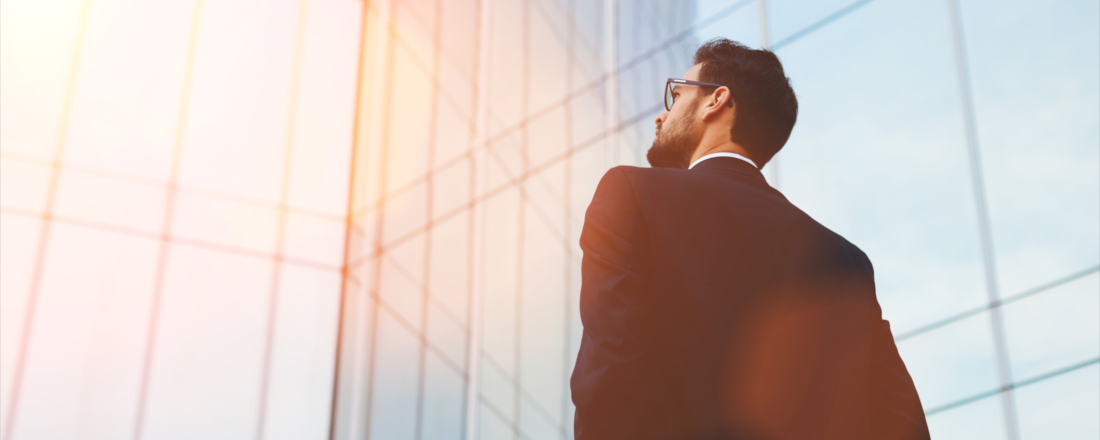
column 339, row 219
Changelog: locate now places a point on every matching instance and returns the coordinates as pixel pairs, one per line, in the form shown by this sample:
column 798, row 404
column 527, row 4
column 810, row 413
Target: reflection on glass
column 89, row 341
column 1055, row 328
column 981, row 419
column 204, row 373
column 953, row 362
column 1037, row 102
column 1061, row 407
column 213, row 173
column 175, row 180
column 879, row 155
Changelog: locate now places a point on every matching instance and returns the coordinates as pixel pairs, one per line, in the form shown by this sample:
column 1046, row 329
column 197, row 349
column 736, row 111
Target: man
column 713, row 308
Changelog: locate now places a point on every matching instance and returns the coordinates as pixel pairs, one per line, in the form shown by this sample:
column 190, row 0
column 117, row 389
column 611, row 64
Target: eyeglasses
column 669, row 99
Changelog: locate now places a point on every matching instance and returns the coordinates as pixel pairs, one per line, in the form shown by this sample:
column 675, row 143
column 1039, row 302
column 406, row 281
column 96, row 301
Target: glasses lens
column 668, row 97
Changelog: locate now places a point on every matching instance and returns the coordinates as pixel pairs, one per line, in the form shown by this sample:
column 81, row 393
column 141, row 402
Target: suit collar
column 731, row 164
column 721, row 154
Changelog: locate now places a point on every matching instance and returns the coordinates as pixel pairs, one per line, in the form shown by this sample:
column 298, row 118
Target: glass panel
column 497, row 388
column 393, row 413
column 450, row 266
column 444, row 399
column 208, row 357
column 119, row 139
column 787, row 17
column 879, row 155
column 132, row 205
column 459, row 41
column 1062, row 407
column 362, row 243
column 506, row 45
column 588, row 22
column 406, row 158
column 500, row 269
column 125, row 113
column 1033, row 68
column 37, row 40
column 239, row 104
column 451, row 189
column 634, row 142
column 299, row 387
column 492, row 425
column 557, row 16
column 952, row 362
column 669, row 19
column 453, row 140
column 588, row 115
column 447, row 335
column 546, row 137
column 537, row 422
column 549, row 56
column 643, row 26
column 24, row 184
column 225, row 221
column 1054, row 328
column 640, row 87
column 504, row 160
column 415, row 26
column 321, row 160
column 982, row 419
column 642, row 76
column 405, row 213
column 542, row 316
column 544, row 202
column 586, row 169
column 741, row 24
column 402, row 285
column 314, row 239
column 630, row 40
column 85, row 363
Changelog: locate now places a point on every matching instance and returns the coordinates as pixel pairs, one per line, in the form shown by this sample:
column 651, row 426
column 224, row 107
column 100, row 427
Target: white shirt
column 723, row 154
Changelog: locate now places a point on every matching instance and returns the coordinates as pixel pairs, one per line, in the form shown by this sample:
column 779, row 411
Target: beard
column 674, row 144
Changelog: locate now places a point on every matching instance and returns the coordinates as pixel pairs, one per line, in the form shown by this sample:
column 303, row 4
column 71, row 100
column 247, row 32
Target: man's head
column 758, row 123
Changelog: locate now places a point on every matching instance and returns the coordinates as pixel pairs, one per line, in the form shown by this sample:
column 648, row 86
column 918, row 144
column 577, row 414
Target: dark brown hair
column 765, row 103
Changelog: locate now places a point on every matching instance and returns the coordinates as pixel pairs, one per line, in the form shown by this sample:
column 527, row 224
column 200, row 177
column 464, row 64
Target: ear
column 716, row 103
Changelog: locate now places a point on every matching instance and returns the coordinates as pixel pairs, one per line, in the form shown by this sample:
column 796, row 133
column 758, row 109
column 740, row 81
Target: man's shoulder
column 632, row 171
column 658, row 188
column 840, row 244
column 645, row 176
column 644, row 188
column 678, row 184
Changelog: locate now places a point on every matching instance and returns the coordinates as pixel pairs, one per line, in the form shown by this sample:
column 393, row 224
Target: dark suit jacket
column 713, row 308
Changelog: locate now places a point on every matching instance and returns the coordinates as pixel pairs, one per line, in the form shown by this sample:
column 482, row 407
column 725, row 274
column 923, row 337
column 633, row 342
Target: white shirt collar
column 723, row 154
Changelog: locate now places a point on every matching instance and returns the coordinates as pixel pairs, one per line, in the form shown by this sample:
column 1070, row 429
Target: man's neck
column 719, row 147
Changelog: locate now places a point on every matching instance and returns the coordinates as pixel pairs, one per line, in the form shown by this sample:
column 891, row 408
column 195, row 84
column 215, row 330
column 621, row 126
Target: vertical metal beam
column 358, row 340
column 386, row 121
column 429, row 203
column 342, row 336
column 477, row 228
column 985, row 235
column 521, row 220
column 611, row 86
